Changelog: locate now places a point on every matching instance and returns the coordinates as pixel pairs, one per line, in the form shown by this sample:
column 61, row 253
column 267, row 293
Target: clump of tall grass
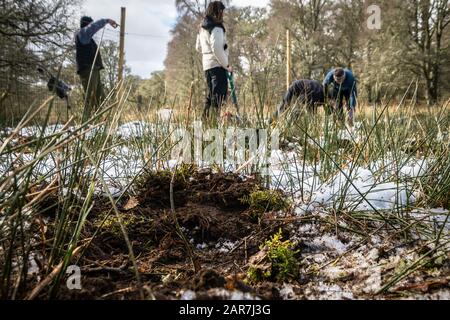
column 71, row 150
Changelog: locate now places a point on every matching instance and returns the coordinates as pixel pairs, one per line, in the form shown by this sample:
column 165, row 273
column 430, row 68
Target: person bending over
column 340, row 84
column 303, row 92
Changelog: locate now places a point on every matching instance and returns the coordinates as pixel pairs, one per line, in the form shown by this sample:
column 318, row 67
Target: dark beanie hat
column 84, row 21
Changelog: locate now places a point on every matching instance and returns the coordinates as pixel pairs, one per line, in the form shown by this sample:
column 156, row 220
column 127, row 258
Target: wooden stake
column 288, row 58
column 191, row 94
column 122, row 43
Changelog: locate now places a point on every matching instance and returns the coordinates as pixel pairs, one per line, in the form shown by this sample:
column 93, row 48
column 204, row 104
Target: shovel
column 233, row 92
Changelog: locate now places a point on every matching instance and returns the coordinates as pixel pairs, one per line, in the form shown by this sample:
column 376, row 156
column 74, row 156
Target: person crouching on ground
column 339, row 84
column 302, row 92
column 89, row 62
column 212, row 44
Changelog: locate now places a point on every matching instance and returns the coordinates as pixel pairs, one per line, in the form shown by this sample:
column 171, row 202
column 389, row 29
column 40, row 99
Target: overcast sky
column 148, row 24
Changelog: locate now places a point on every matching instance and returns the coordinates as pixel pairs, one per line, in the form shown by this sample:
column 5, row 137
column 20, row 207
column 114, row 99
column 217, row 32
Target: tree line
column 409, row 52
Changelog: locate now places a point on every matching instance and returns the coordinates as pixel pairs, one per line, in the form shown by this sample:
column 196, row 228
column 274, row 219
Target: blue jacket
column 85, row 34
column 86, row 48
column 348, row 88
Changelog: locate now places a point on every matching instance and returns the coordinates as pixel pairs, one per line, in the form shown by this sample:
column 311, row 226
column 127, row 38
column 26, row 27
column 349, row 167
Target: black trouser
column 93, row 89
column 338, row 96
column 216, row 91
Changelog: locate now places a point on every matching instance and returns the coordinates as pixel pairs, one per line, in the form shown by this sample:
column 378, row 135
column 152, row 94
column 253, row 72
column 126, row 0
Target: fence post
column 122, row 43
column 288, row 58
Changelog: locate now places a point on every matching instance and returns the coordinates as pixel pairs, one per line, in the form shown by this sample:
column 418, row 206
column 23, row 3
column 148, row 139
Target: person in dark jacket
column 212, row 44
column 340, row 84
column 89, row 62
column 302, row 92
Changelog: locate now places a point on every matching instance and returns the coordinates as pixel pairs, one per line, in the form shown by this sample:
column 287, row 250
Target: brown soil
column 209, row 213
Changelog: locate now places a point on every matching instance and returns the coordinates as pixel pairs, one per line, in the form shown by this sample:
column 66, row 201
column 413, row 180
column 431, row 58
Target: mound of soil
column 203, row 187
column 208, row 217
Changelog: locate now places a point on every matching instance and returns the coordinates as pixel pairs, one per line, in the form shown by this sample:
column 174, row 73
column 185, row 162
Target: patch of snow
column 238, row 295
column 334, row 273
column 320, row 258
column 165, row 114
column 350, row 134
column 373, row 282
column 287, row 172
column 35, row 131
column 133, row 129
column 33, row 267
column 325, row 291
column 443, row 294
column 115, row 192
column 188, row 295
column 374, row 254
column 331, row 242
column 226, row 246
column 415, row 169
column 287, row 292
column 360, row 191
column 202, row 246
column 435, row 217
column 307, row 228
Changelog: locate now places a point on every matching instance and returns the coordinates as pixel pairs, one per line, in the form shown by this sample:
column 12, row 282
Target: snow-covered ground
column 358, row 188
column 372, row 188
column 120, row 165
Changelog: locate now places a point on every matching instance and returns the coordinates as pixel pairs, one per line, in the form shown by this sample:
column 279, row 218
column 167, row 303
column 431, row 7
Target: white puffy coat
column 212, row 47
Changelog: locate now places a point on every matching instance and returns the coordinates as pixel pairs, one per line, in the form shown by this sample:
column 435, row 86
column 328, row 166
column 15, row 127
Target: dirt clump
column 210, row 214
column 224, row 190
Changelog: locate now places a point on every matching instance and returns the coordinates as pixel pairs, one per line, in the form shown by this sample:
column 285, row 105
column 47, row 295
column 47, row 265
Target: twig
column 120, row 269
column 124, row 290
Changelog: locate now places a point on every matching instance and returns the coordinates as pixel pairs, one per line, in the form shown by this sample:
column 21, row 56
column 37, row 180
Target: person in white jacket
column 212, row 44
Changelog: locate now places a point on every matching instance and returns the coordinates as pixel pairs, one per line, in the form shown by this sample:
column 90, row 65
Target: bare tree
column 35, row 23
column 194, row 7
column 33, row 32
column 419, row 27
column 413, row 44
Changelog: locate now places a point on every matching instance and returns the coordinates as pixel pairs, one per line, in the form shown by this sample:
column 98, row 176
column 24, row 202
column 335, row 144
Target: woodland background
column 411, row 50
